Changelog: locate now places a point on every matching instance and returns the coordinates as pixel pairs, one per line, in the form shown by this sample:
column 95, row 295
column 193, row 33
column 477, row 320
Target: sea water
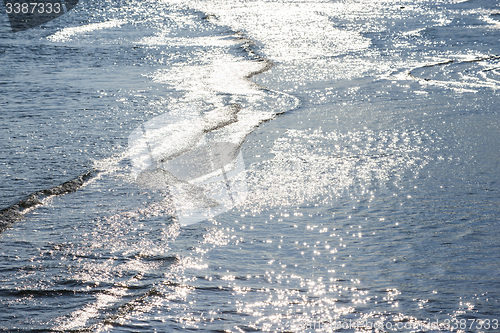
column 365, row 149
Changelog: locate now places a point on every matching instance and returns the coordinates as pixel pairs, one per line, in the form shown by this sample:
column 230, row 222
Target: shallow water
column 371, row 164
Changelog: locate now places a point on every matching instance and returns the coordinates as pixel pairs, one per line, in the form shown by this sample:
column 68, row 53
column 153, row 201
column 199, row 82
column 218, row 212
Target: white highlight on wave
column 66, row 34
column 224, row 75
column 163, row 38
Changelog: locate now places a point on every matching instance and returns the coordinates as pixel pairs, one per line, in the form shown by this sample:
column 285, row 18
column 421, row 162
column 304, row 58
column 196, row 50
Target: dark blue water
column 367, row 201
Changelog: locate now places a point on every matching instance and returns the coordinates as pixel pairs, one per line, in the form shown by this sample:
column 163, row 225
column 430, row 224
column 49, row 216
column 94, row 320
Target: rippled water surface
column 360, row 190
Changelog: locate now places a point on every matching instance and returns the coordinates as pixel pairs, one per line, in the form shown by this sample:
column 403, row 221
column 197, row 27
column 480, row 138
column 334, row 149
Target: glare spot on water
column 301, row 174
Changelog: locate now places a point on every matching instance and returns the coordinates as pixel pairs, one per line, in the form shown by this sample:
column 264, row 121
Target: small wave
column 17, row 211
column 467, row 75
column 117, row 302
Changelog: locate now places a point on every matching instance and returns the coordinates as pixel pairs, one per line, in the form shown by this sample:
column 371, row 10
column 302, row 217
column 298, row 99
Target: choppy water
column 369, row 136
